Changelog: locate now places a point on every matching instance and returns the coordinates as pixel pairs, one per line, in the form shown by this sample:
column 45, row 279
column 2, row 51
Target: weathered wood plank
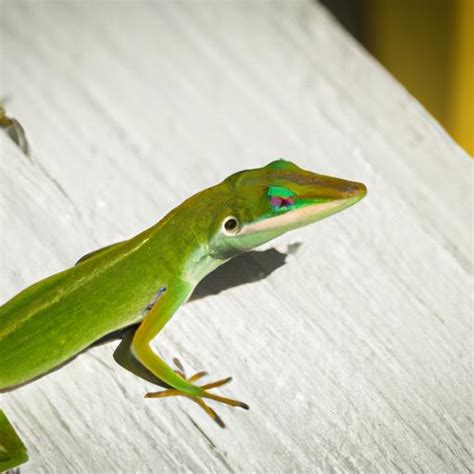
column 354, row 356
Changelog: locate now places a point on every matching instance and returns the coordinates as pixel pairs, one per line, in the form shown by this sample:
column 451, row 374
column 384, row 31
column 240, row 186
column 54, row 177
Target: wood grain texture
column 354, row 356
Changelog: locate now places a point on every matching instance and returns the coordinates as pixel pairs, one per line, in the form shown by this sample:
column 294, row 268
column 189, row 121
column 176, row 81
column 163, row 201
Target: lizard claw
column 172, row 392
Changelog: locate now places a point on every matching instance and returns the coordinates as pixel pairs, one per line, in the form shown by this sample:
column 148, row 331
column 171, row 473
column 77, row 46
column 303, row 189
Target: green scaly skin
column 53, row 320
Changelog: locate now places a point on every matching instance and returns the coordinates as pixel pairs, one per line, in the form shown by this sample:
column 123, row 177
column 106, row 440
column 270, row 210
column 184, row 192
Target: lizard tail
column 12, row 450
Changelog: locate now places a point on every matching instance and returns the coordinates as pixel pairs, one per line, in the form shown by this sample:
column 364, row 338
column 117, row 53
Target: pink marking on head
column 276, row 201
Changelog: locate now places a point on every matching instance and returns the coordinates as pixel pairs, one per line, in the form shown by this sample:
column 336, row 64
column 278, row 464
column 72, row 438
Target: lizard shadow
column 246, row 268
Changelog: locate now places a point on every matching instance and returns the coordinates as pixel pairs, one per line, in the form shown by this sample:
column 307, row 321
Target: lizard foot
column 199, row 399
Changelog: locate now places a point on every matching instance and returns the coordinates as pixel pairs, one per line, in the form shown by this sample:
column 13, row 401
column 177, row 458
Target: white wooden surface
column 355, row 356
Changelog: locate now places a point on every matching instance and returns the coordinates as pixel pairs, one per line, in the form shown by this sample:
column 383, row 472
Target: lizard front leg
column 141, row 348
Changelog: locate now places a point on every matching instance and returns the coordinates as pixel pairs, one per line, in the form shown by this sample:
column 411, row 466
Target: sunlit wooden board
column 356, row 354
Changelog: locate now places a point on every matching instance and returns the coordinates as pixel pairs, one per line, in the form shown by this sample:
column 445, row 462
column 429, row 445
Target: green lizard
column 141, row 282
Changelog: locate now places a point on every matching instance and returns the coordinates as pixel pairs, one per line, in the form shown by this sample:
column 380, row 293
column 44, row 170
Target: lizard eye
column 230, row 225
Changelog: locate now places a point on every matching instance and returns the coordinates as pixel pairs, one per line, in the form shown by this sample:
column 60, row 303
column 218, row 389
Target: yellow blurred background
column 428, row 45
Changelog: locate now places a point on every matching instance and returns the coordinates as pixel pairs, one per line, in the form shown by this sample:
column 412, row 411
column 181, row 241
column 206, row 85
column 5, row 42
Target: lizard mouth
column 300, row 216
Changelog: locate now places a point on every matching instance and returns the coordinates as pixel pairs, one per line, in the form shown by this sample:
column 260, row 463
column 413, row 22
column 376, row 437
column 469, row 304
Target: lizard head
column 260, row 204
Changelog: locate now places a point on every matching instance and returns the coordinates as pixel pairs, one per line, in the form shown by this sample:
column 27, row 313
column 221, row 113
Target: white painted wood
column 355, row 356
